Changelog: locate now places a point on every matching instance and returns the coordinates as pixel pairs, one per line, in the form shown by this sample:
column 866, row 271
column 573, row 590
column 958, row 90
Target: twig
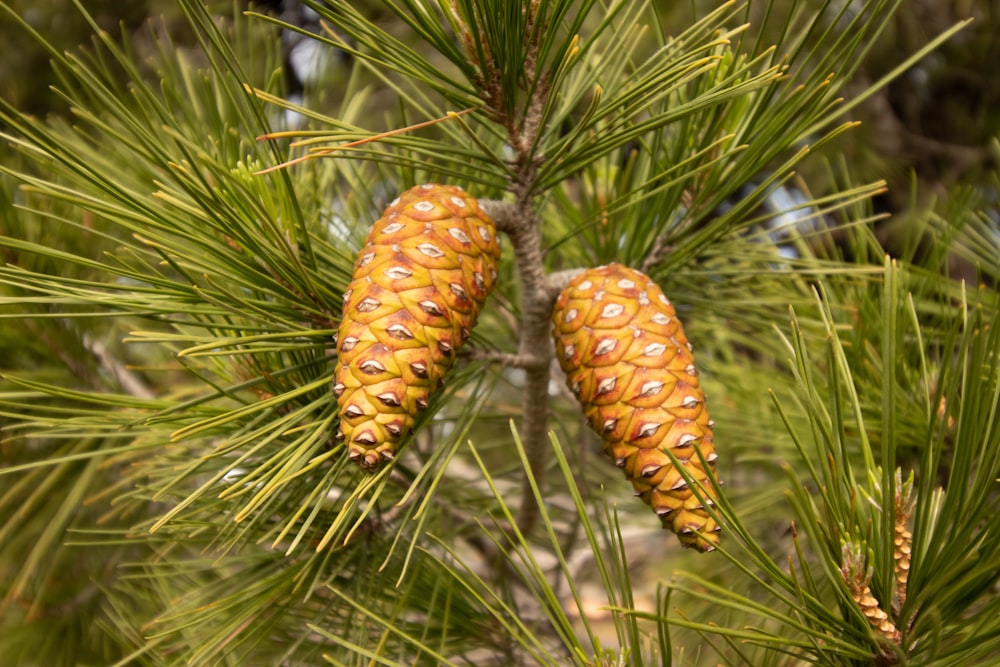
column 662, row 246
column 504, row 215
column 538, row 294
column 519, row 222
column 507, row 359
column 659, row 250
column 128, row 380
column 560, row 279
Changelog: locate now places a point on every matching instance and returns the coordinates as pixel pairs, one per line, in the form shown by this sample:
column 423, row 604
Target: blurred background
column 928, row 133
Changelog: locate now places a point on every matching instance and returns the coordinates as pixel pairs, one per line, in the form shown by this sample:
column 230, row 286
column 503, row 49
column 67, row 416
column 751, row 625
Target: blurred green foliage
column 26, row 74
column 934, row 123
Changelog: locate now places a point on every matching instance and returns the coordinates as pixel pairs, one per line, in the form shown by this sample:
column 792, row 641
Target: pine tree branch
column 560, row 279
column 519, row 222
column 507, row 359
column 539, row 293
column 504, row 215
column 129, row 381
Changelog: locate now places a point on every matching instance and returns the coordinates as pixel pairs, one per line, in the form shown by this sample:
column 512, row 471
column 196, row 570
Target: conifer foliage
column 195, row 303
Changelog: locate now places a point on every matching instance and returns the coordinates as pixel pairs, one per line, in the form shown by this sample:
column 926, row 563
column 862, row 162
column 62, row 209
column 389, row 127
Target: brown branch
column 660, row 250
column 535, row 350
column 560, row 279
column 504, row 214
column 519, row 222
column 506, row 359
column 127, row 380
column 662, row 246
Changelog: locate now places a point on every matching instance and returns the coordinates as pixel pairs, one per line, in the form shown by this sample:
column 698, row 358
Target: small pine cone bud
column 902, row 539
column 857, row 578
column 418, row 286
column 878, row 619
column 903, row 542
column 627, row 360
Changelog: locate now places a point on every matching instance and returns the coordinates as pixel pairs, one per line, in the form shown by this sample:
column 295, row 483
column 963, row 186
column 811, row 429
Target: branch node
column 557, row 282
column 505, row 215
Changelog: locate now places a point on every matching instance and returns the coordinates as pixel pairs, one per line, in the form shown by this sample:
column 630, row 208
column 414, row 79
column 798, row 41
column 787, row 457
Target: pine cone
column 628, row 361
column 418, row 285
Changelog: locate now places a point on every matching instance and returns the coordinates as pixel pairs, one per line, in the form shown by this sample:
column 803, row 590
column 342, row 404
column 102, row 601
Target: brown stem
column 538, row 295
column 560, row 279
column 504, row 215
column 506, row 359
column 129, row 381
column 518, row 220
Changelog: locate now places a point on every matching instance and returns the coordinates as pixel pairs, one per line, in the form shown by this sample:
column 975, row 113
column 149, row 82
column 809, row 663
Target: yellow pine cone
column 628, row 361
column 418, row 286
